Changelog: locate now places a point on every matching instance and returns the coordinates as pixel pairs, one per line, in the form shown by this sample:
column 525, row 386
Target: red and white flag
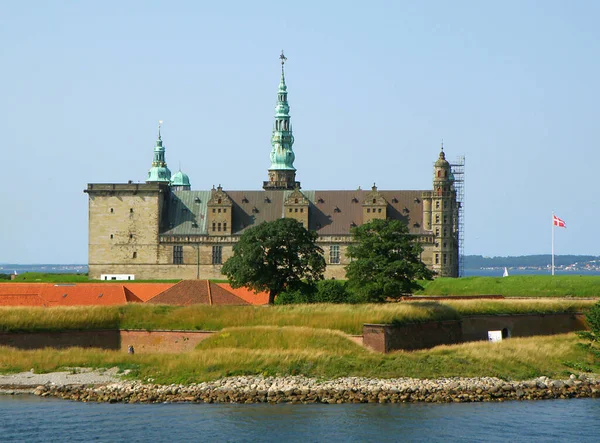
column 558, row 222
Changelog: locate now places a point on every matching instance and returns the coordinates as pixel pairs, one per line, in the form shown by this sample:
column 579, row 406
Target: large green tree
column 275, row 256
column 385, row 261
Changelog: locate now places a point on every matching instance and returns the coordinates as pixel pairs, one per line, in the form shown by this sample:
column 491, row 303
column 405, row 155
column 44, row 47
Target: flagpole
column 553, row 243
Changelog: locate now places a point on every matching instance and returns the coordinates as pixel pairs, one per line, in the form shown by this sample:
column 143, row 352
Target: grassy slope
column 516, row 286
column 346, row 318
column 318, row 353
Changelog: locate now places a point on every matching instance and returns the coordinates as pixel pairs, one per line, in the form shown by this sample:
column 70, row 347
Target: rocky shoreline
column 298, row 389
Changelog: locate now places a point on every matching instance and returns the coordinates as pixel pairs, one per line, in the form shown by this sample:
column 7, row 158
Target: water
column 499, row 272
column 34, row 419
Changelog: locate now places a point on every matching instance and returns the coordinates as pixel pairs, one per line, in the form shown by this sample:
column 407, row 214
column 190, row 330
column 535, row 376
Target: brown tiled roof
column 334, row 212
column 221, row 296
column 192, row 292
column 330, row 212
column 84, row 294
column 261, row 298
column 145, row 291
column 22, row 300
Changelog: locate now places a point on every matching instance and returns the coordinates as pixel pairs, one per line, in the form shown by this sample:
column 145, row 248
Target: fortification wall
column 113, row 339
column 387, row 338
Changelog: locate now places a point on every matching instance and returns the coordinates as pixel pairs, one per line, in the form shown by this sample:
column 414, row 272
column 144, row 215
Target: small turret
column 159, row 173
column 180, row 181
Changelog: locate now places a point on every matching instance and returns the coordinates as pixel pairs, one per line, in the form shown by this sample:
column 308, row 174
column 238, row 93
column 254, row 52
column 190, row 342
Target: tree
column 275, row 256
column 385, row 261
column 592, row 319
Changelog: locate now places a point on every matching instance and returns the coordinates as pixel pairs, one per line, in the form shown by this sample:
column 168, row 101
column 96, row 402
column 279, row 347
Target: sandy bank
column 26, row 382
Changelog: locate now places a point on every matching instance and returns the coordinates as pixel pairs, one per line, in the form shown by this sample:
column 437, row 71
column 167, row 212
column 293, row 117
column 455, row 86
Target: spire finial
column 160, row 122
column 442, row 144
column 283, row 58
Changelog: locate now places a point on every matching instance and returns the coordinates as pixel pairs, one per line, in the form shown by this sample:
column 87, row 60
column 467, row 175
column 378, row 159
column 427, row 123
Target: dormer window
column 219, row 201
column 374, row 201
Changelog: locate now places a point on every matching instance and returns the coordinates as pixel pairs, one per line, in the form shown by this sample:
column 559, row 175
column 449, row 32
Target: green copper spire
column 282, row 155
column 159, row 171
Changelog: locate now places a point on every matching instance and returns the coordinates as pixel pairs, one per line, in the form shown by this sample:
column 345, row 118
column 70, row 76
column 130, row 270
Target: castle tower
column 159, row 173
column 282, row 174
column 441, row 219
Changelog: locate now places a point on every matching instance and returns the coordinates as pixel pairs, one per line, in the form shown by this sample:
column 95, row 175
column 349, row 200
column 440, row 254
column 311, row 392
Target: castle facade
column 162, row 229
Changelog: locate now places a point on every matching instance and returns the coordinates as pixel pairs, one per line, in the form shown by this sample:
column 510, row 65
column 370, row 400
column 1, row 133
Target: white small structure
column 117, row 276
column 505, row 272
column 494, row 336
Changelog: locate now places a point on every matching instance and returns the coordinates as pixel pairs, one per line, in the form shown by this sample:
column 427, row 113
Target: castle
column 162, row 229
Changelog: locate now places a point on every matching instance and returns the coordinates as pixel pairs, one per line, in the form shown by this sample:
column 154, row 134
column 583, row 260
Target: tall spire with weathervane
column 159, row 173
column 282, row 174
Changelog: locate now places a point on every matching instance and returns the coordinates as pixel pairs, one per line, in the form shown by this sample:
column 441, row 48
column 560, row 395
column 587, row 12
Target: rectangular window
column 445, row 260
column 437, row 204
column 219, row 227
column 437, row 259
column 369, row 210
column 217, row 255
column 224, row 226
column 334, row 254
column 177, row 255
column 214, row 226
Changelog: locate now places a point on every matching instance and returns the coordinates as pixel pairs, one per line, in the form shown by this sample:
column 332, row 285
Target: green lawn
column 516, row 286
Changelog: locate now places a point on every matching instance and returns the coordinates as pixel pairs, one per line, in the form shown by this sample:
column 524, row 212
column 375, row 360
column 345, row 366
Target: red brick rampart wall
column 387, row 338
column 162, row 341
column 142, row 341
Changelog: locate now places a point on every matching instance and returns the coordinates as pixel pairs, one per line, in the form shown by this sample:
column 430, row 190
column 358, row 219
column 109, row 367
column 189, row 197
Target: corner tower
column 282, row 174
column 441, row 218
column 159, row 173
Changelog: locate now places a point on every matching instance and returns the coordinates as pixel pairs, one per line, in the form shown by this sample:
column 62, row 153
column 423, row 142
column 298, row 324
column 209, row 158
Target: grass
column 318, row 353
column 345, row 318
column 37, row 277
column 516, row 286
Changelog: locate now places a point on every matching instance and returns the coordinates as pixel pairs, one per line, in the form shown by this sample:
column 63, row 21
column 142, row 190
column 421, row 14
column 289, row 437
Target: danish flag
column 558, row 222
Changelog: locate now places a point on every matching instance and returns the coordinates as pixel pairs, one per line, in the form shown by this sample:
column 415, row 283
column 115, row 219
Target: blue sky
column 373, row 89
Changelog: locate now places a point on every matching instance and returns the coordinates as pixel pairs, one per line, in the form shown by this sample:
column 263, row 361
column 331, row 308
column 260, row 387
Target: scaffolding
column 458, row 171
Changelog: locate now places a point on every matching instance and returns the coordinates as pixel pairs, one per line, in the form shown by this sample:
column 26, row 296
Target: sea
column 82, row 269
column 26, row 418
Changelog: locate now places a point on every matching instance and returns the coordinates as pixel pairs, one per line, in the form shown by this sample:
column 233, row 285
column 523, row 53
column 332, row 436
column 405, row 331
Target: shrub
column 592, row 318
column 331, row 291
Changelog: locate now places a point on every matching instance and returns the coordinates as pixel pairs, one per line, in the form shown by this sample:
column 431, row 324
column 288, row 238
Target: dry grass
column 324, row 357
column 346, row 318
column 318, row 353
